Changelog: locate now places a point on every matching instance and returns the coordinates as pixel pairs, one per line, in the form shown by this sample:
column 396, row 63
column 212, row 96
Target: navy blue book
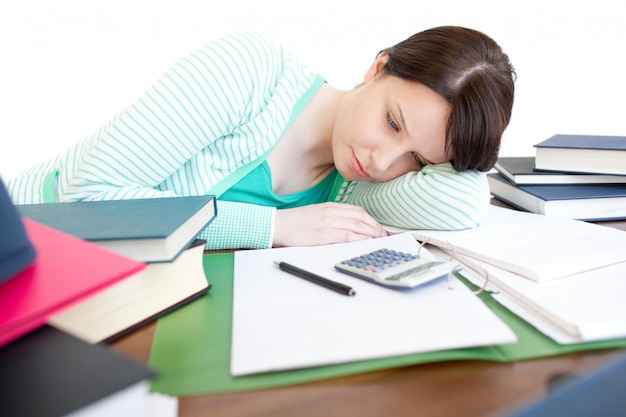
column 589, row 202
column 147, row 230
column 521, row 170
column 16, row 250
column 599, row 393
column 582, row 153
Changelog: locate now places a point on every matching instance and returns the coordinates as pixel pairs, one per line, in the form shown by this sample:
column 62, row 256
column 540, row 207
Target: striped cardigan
column 208, row 121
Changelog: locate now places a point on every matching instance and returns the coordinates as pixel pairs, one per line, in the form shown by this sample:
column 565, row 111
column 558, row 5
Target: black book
column 521, row 170
column 48, row 373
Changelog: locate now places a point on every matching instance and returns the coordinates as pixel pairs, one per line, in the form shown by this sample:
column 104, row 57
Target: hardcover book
column 66, row 270
column 148, row 230
column 48, row 373
column 119, row 309
column 582, row 153
column 16, row 250
column 521, row 170
column 574, row 201
column 599, row 392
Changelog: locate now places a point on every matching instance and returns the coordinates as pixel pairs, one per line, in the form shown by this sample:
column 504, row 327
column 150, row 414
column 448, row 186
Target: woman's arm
column 239, row 226
column 172, row 138
column 436, row 198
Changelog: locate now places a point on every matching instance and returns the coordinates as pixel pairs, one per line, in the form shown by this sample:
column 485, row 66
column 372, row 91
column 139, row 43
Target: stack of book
column 66, row 270
column 159, row 233
column 88, row 273
column 572, row 176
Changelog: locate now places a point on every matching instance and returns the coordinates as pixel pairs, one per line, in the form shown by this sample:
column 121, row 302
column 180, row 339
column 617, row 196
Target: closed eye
column 392, row 124
column 418, row 160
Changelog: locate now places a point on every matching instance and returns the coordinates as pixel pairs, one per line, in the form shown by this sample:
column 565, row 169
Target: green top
column 256, row 188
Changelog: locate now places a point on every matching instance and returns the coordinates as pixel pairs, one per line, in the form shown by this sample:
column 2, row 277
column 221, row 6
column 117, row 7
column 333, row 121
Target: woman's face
column 389, row 127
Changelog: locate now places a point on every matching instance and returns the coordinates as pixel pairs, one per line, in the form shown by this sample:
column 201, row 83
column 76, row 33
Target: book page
column 536, row 246
column 583, row 307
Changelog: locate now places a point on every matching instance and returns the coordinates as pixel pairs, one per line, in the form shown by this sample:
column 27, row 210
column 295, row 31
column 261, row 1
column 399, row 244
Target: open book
column 575, row 291
column 583, row 307
column 538, row 247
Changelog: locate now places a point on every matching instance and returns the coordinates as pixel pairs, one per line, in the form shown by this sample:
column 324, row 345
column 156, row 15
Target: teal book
column 148, row 230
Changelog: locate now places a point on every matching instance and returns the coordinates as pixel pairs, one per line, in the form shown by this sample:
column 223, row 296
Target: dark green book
column 148, row 230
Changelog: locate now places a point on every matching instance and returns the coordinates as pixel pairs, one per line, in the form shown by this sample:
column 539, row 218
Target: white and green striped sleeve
column 434, row 198
column 240, row 226
column 161, row 144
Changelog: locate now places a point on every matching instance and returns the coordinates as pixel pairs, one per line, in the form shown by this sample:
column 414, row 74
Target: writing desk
column 457, row 388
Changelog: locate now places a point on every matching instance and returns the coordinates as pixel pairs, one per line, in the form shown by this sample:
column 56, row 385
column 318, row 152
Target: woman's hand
column 324, row 223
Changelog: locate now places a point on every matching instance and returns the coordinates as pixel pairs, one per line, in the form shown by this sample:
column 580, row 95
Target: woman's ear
column 377, row 66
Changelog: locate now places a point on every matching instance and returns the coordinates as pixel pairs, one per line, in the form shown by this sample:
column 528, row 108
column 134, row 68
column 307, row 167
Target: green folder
column 191, row 347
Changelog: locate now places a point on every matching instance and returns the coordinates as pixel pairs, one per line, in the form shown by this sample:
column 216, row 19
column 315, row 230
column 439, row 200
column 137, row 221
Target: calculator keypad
column 394, row 268
column 380, row 260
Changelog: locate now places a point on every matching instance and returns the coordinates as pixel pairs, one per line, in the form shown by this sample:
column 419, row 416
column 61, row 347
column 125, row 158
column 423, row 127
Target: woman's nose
column 386, row 157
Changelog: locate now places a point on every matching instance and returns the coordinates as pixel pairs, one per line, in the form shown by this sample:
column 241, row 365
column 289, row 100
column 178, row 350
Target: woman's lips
column 356, row 166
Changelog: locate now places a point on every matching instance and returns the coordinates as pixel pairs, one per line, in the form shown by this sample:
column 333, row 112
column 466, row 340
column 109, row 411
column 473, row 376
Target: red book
column 66, row 270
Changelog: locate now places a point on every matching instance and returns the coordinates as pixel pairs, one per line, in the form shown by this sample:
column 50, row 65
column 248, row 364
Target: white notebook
column 283, row 322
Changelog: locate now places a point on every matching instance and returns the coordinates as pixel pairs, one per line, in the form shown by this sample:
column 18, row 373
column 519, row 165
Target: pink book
column 66, row 270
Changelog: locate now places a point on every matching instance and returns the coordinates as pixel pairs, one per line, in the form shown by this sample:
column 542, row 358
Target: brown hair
column 472, row 73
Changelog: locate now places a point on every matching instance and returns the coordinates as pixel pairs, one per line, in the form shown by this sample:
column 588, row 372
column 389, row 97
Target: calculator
column 396, row 269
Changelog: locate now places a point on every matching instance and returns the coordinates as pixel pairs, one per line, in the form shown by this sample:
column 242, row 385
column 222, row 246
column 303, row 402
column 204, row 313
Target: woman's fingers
column 324, row 223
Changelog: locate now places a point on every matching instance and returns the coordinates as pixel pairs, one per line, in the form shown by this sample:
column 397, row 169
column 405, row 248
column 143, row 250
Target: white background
column 67, row 66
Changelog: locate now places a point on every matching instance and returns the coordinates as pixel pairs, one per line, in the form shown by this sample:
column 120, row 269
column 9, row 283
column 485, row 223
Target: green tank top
column 256, row 188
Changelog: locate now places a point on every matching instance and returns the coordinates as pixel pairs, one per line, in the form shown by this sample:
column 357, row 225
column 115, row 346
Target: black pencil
column 316, row 279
